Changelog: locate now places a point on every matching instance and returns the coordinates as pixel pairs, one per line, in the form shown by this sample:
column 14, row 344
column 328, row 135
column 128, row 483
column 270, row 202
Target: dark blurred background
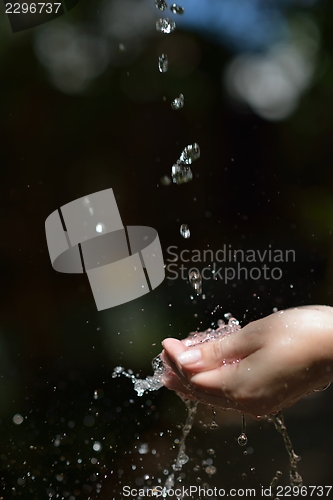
column 84, row 108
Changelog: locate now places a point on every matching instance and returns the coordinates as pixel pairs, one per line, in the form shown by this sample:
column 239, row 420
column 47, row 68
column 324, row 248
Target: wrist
column 322, row 344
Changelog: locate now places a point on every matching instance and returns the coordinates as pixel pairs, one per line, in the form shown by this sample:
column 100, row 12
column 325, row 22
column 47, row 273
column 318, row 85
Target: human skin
column 269, row 364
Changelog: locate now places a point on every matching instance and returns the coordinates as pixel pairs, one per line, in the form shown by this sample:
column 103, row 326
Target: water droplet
column 210, row 470
column 242, row 439
column 185, row 231
column 275, row 479
column 163, row 63
column 98, row 394
column 165, row 180
column 181, row 460
column 181, row 174
column 210, row 451
column 178, row 103
column 176, row 9
column 57, row 442
column 190, row 154
column 196, row 281
column 165, row 25
column 18, row 419
column 97, row 446
column 143, row 448
column 161, row 4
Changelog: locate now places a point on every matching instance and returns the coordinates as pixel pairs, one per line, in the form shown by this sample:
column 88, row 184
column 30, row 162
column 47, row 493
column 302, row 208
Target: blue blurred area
column 242, row 25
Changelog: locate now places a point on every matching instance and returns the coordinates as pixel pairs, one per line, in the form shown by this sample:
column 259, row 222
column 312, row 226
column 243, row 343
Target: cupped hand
column 267, row 365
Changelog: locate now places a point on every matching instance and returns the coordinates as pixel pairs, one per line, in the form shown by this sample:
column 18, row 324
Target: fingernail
column 190, row 356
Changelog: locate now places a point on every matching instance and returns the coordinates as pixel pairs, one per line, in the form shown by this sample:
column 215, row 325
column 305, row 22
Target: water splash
column 153, row 383
column 222, row 330
column 181, row 174
column 180, row 171
column 182, row 458
column 165, row 25
column 190, row 154
column 295, row 477
column 150, row 383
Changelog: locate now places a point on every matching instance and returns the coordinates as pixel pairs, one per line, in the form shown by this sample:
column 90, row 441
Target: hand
column 267, row 365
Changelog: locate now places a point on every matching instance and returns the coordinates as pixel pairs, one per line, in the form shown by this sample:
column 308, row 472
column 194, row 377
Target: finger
column 215, row 387
column 171, row 381
column 172, row 365
column 216, row 353
column 195, row 394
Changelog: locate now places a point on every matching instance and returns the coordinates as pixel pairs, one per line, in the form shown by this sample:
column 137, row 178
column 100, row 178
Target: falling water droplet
column 176, row 9
column 210, row 470
column 161, row 4
column 178, row 103
column 97, row 446
column 196, row 281
column 185, row 231
column 165, row 25
column 143, row 448
column 190, row 154
column 163, row 63
column 181, row 174
column 98, row 394
column 242, row 439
